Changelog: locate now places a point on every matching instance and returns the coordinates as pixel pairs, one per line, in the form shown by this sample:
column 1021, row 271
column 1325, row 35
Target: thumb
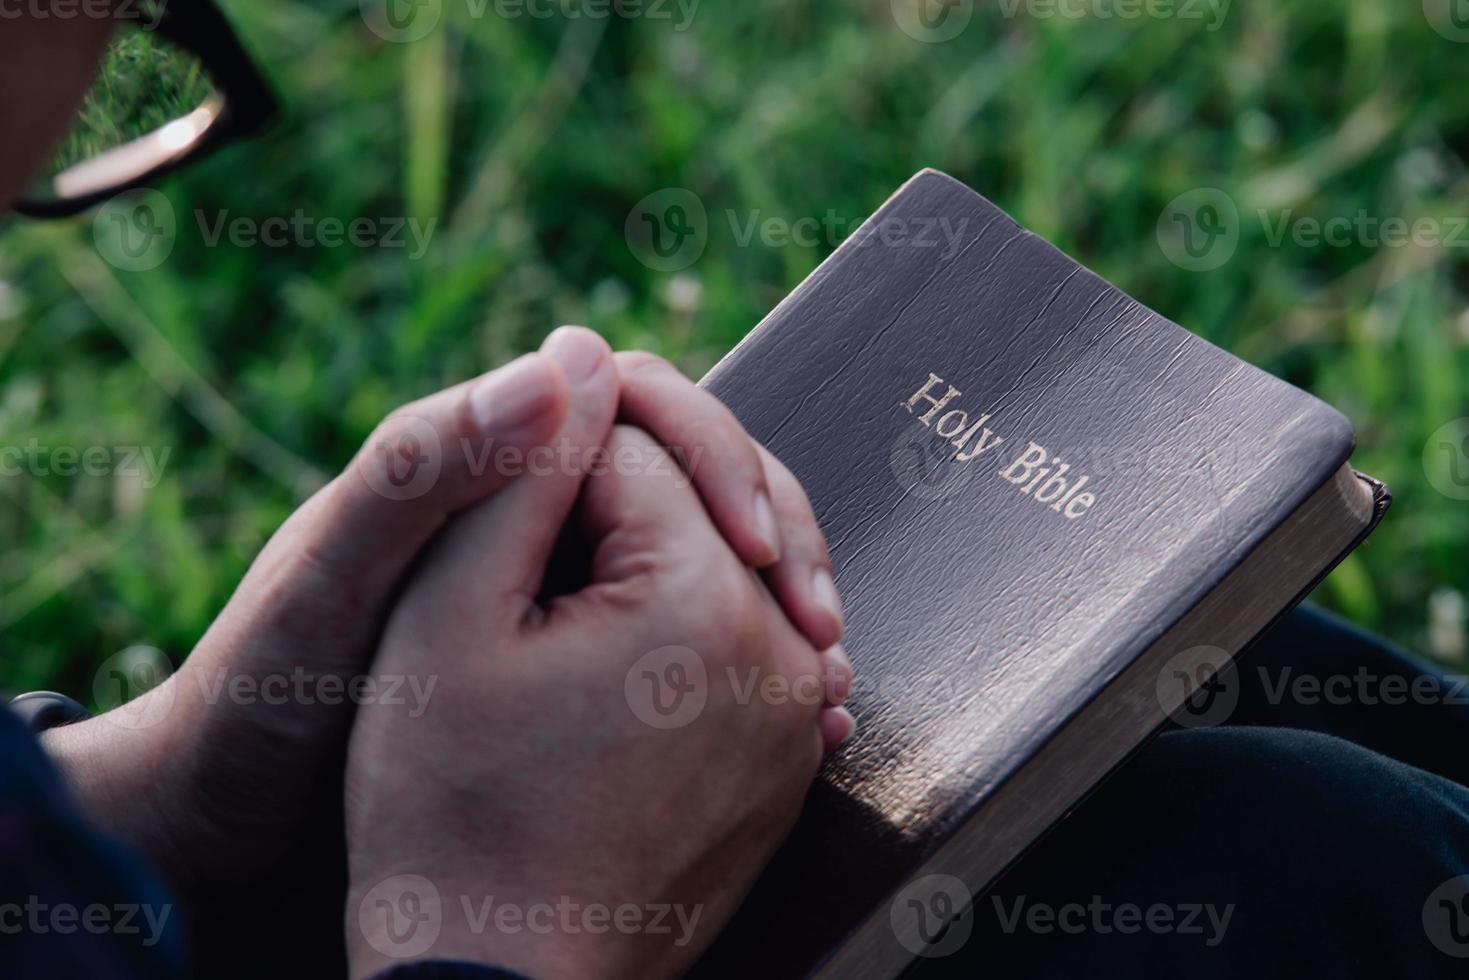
column 329, row 572
column 506, row 543
column 424, row 463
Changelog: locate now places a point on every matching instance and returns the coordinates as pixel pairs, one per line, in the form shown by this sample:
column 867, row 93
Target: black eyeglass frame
column 248, row 104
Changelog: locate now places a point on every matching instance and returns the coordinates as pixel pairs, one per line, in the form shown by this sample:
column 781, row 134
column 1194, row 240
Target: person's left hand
column 220, row 771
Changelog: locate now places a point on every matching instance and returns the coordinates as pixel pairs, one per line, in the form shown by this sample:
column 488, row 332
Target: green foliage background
column 530, row 139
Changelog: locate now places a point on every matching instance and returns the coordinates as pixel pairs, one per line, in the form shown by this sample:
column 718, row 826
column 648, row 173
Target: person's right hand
column 643, row 743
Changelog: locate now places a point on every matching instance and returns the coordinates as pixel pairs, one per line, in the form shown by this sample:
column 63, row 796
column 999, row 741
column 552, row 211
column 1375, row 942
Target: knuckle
column 636, row 362
column 723, row 441
column 796, row 514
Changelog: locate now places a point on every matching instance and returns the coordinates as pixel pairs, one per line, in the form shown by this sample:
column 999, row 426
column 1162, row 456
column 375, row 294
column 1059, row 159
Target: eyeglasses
column 175, row 85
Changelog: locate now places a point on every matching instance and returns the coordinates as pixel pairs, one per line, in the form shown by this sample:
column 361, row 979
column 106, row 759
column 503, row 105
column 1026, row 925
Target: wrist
column 397, row 919
column 117, row 767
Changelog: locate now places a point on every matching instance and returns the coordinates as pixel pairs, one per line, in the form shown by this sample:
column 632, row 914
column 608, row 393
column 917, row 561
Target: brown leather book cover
column 1027, row 479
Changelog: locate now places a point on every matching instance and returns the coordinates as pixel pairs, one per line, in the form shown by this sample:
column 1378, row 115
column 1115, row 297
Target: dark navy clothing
column 1321, row 831
column 72, row 903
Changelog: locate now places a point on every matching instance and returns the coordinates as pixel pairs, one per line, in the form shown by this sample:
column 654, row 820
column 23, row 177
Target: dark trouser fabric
column 1321, row 831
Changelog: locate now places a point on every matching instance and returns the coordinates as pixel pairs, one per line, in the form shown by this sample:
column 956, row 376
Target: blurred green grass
column 531, row 139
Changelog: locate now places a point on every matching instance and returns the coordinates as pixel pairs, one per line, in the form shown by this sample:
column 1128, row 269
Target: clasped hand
column 599, row 642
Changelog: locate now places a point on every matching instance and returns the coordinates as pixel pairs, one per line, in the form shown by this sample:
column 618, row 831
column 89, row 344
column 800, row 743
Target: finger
column 836, row 725
column 712, row 447
column 508, row 541
column 802, row 579
column 426, row 462
column 639, row 513
column 836, row 675
column 641, row 517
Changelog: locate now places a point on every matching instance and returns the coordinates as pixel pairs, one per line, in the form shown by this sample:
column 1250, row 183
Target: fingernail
column 513, row 396
column 578, row 350
column 765, row 528
column 838, row 675
column 837, row 725
column 824, row 593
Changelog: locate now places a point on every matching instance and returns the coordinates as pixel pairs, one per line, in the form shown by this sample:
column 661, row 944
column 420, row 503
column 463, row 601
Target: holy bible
column 1053, row 515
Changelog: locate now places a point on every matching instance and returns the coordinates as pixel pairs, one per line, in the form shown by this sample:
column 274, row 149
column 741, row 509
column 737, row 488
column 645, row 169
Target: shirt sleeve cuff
column 447, row 970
